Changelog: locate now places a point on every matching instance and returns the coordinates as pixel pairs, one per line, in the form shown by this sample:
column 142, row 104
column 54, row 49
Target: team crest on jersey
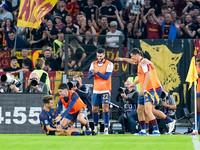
column 46, row 121
column 92, row 10
column 109, row 9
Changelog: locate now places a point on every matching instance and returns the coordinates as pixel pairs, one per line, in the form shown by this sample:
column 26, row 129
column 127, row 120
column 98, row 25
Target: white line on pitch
column 196, row 142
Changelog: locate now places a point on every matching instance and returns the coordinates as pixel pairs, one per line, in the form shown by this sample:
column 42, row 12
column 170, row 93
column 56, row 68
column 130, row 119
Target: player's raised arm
column 128, row 60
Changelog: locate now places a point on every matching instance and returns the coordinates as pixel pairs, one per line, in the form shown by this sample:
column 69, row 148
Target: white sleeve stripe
column 145, row 68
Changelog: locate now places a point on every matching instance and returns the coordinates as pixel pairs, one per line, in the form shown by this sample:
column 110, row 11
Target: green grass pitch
column 100, row 142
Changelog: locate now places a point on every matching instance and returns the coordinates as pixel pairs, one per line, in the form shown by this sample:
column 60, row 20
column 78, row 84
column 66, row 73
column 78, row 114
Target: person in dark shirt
column 53, row 63
column 90, row 9
column 103, row 29
column 61, row 10
column 13, row 61
column 109, row 11
column 188, row 28
column 69, row 28
column 24, row 54
column 20, row 43
column 50, row 34
column 85, row 94
column 36, row 37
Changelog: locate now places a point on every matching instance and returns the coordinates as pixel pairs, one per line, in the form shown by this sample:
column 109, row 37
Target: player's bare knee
column 95, row 110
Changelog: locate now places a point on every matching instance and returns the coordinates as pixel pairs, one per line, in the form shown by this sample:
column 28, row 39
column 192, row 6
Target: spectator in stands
column 108, row 10
column 4, row 13
column 70, row 28
column 90, row 10
column 6, row 27
column 72, row 8
column 45, row 20
column 85, row 94
column 175, row 5
column 81, row 19
column 36, row 40
column 71, row 58
column 103, row 30
column 9, row 5
column 89, row 42
column 53, row 63
column 24, row 54
column 169, row 28
column 35, row 85
column 50, row 34
column 164, row 10
column 43, row 75
column 187, row 28
column 13, row 63
column 79, row 52
column 57, row 43
column 129, row 99
column 146, row 6
column 92, row 22
column 59, row 24
column 131, row 18
column 195, row 13
column 197, row 28
column 128, row 32
column 47, row 66
column 154, row 30
column 25, row 67
column 112, row 37
column 20, row 43
column 15, row 5
column 135, row 5
column 61, row 10
column 188, row 8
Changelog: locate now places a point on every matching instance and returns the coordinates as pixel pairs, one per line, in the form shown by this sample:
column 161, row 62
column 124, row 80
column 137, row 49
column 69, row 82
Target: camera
column 164, row 95
column 34, row 81
column 72, row 84
column 9, row 79
column 121, row 90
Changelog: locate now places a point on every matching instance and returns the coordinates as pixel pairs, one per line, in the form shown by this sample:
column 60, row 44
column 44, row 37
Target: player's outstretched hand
column 58, row 118
column 118, row 59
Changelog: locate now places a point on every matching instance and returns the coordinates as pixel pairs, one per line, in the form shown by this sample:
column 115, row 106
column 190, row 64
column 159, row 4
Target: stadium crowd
column 137, row 19
column 92, row 24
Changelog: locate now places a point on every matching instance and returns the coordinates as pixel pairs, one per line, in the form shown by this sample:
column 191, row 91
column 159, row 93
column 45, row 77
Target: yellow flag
column 192, row 73
column 31, row 12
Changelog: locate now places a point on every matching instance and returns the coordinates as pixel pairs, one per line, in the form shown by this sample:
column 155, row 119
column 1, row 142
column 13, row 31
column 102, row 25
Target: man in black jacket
column 85, row 94
column 129, row 98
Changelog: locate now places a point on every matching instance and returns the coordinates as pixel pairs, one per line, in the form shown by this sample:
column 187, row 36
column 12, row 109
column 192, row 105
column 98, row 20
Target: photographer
column 35, row 86
column 9, row 84
column 85, row 94
column 168, row 106
column 129, row 98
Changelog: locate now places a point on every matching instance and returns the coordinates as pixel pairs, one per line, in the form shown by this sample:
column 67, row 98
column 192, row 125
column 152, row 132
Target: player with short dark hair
column 101, row 70
column 147, row 91
column 75, row 108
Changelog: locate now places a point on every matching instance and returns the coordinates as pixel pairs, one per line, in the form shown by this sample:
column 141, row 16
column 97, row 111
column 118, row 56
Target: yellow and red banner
column 31, row 12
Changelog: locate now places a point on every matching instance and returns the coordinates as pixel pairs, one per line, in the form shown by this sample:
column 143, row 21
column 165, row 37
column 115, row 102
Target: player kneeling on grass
column 47, row 120
column 75, row 109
